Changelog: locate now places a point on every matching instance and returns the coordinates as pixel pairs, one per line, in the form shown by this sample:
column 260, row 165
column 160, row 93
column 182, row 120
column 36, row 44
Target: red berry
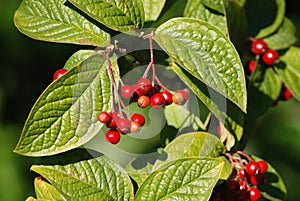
column 270, row 57
column 112, row 136
column 259, row 46
column 180, row 97
column 285, row 93
column 251, row 65
column 60, row 72
column 123, row 125
column 143, row 82
column 135, row 127
column 112, row 122
column 252, row 168
column 127, row 91
column 157, row 101
column 263, row 166
column 253, row 180
column 168, row 97
column 143, row 101
column 138, row 118
column 254, row 194
column 241, row 173
column 104, row 117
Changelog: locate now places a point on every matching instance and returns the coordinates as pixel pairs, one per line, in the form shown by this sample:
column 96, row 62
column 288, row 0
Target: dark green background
column 26, row 70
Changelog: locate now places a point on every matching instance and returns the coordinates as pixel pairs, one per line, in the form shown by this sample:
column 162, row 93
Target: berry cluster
column 118, row 124
column 145, row 93
column 245, row 180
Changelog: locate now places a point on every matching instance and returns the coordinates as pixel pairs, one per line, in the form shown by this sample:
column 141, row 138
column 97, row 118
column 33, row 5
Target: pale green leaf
column 94, row 179
column 78, row 57
column 120, row 15
column 207, row 54
column 65, row 115
column 153, row 9
column 188, row 179
column 51, row 20
column 46, row 191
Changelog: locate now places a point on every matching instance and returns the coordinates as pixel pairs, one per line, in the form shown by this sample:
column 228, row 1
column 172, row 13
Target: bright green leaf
column 92, row 179
column 185, row 179
column 289, row 70
column 51, row 20
column 216, row 5
column 65, row 115
column 196, row 9
column 207, row 54
column 46, row 191
column 78, row 57
column 120, row 15
column 196, row 144
column 153, row 9
column 284, row 37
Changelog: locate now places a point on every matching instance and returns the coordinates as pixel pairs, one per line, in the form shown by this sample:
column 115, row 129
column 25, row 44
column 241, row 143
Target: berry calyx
column 58, row 73
column 252, row 168
column 143, row 101
column 127, row 91
column 138, row 118
column 157, row 100
column 254, row 194
column 112, row 136
column 104, row 117
column 270, row 57
column 259, row 46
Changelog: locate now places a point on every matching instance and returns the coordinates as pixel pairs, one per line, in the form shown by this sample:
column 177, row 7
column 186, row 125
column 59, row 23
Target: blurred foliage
column 27, row 67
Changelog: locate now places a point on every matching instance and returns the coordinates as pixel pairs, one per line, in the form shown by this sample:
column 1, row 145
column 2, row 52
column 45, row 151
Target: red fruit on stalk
column 252, row 168
column 143, row 82
column 259, row 46
column 58, row 73
column 270, row 57
column 168, row 97
column 254, row 194
column 123, row 125
column 127, row 91
column 157, row 101
column 180, row 97
column 263, row 166
column 143, row 101
column 135, row 127
column 138, row 118
column 251, row 65
column 104, row 117
column 112, row 136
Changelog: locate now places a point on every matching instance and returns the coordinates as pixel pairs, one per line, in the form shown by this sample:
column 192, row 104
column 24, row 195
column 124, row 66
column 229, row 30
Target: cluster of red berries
column 243, row 184
column 144, row 93
column 118, row 124
column 260, row 48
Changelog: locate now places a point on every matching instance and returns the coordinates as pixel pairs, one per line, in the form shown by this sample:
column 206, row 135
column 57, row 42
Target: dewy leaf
column 65, row 115
column 46, row 191
column 50, row 20
column 196, row 144
column 153, row 9
column 78, row 57
column 190, row 179
column 289, row 70
column 92, row 179
column 264, row 17
column 196, row 9
column 120, row 15
column 207, row 54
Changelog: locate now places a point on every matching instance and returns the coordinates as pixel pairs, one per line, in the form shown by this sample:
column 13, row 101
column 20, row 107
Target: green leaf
column 65, row 115
column 226, row 112
column 46, row 191
column 153, row 9
column 78, row 57
column 92, row 179
column 216, row 5
column 289, row 70
column 195, row 144
column 284, row 37
column 183, row 179
column 196, row 9
column 274, row 188
column 237, row 24
column 120, row 15
column 206, row 53
column 51, row 20
column 264, row 17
